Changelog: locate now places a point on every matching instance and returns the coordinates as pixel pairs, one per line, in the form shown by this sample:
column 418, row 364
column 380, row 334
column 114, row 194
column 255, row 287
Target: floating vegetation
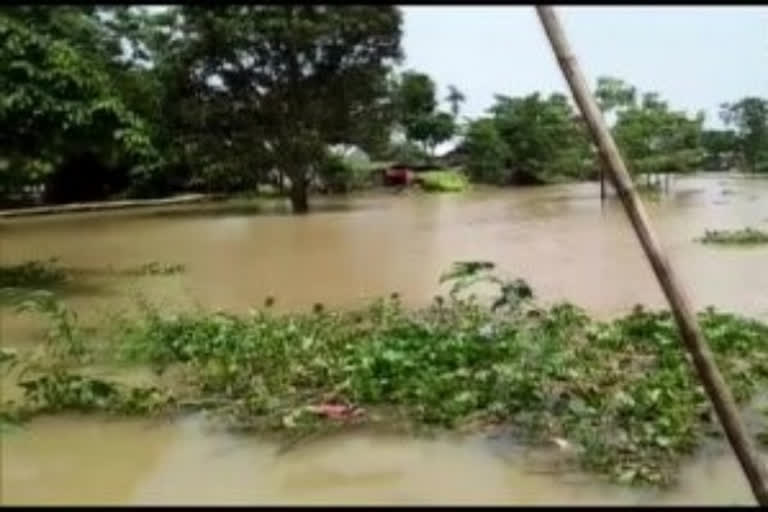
column 620, row 393
column 32, row 274
column 155, row 269
column 746, row 236
column 38, row 274
column 65, row 391
column 22, row 281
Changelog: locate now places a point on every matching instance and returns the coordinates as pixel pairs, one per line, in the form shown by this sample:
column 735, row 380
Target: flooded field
column 560, row 239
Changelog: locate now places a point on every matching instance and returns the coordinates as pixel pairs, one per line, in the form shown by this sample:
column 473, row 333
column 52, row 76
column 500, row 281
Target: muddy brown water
column 558, row 238
column 70, row 460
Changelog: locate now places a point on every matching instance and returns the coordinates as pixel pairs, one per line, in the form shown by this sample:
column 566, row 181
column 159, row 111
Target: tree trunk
column 299, row 200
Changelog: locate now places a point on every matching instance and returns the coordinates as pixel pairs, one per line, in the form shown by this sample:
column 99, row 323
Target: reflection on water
column 89, row 461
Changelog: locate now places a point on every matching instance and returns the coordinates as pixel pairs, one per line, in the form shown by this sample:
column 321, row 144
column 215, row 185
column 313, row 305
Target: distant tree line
column 113, row 101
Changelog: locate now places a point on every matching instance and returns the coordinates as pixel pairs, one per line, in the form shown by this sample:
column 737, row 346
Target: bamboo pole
column 694, row 341
column 602, row 184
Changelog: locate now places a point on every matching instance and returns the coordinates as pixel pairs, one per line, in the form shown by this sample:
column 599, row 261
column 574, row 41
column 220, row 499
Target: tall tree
column 487, row 153
column 750, row 118
column 432, row 130
column 417, row 113
column 721, row 147
column 544, row 140
column 455, row 98
column 289, row 79
column 614, row 94
column 656, row 139
column 415, row 96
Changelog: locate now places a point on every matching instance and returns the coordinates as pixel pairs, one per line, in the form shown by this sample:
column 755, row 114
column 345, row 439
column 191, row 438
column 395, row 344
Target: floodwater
column 73, row 460
column 560, row 239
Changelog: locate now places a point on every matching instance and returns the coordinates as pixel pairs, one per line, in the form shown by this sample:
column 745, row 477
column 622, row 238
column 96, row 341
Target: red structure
column 398, row 175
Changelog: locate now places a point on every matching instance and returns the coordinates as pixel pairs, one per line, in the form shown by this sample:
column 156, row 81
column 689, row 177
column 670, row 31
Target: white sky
column 695, row 57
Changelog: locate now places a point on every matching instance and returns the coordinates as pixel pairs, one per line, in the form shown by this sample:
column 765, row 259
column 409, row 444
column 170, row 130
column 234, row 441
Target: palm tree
column 455, row 97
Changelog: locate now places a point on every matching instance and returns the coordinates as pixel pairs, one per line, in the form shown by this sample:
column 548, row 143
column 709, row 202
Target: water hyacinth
column 620, row 395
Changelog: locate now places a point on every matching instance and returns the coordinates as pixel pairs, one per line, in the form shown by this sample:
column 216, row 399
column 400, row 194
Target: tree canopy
column 100, row 101
column 283, row 82
column 416, row 104
column 656, row 140
column 58, row 102
column 750, row 118
column 528, row 139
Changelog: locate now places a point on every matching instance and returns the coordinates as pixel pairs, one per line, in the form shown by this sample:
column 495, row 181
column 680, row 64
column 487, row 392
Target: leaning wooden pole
column 602, row 185
column 710, row 376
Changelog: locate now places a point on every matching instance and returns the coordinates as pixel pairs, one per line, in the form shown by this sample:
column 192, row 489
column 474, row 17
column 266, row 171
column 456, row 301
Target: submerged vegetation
column 621, row 392
column 746, row 236
column 32, row 274
column 125, row 101
column 31, row 280
column 46, row 274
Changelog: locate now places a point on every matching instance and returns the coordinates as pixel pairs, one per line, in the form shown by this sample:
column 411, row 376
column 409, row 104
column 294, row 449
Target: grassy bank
column 620, row 392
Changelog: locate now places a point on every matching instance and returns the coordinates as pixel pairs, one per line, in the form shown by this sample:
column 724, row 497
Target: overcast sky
column 695, row 57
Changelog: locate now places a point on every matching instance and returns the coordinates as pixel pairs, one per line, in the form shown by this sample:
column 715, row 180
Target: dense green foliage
column 487, row 152
column 535, row 139
column 112, row 101
column 415, row 102
column 750, row 117
column 291, row 80
column 237, row 93
column 720, row 147
column 528, row 139
column 451, row 180
column 58, row 104
column 622, row 392
column 653, row 138
column 339, row 174
column 32, row 274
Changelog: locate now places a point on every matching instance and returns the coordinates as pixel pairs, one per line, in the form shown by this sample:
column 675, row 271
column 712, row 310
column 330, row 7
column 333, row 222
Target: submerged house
column 398, row 174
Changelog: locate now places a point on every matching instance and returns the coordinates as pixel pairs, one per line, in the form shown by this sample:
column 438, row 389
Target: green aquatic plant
column 65, row 391
column 32, row 274
column 154, row 268
column 18, row 281
column 746, row 236
column 64, row 338
column 24, row 282
column 621, row 392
